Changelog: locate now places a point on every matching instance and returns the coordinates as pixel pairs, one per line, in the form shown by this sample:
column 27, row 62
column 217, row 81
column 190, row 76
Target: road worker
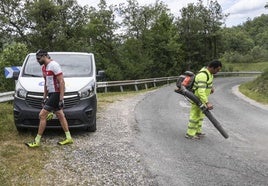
column 203, row 87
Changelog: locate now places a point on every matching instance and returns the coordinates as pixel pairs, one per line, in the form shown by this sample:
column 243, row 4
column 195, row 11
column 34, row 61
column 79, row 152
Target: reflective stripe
column 192, row 121
column 206, row 87
column 202, row 82
column 199, row 82
column 201, row 86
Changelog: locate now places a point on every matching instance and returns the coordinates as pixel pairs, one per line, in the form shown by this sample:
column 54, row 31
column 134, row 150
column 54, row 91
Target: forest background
column 130, row 41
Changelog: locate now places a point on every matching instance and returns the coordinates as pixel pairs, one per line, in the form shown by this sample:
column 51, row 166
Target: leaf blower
column 183, row 91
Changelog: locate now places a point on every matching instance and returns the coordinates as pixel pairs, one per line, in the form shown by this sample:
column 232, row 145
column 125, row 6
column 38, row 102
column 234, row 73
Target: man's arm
column 62, row 85
column 45, row 94
column 45, row 90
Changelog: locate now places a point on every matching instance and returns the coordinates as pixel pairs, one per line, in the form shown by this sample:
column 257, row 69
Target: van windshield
column 72, row 65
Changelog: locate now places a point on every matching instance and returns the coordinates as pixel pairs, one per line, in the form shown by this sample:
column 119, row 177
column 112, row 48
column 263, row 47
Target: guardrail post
column 136, row 86
column 105, row 89
column 146, row 87
column 121, row 88
column 154, row 83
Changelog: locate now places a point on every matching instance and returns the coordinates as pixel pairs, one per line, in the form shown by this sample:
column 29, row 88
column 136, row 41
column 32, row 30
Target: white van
column 80, row 98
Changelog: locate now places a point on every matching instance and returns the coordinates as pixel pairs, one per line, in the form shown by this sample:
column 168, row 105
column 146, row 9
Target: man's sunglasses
column 38, row 57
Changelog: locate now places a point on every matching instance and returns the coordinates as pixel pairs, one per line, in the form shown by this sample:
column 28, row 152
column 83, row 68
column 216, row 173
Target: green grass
column 18, row 163
column 110, row 97
column 261, row 98
column 257, row 89
column 260, row 66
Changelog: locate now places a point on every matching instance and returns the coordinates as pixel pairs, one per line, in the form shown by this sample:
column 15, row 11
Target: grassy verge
column 260, row 66
column 20, row 165
column 110, row 97
column 261, row 98
column 257, row 89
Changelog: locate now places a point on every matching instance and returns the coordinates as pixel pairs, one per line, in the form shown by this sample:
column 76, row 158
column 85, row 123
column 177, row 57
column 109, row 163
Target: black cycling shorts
column 52, row 103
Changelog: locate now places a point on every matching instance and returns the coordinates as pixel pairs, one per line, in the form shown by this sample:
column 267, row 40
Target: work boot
column 192, row 137
column 32, row 144
column 200, row 134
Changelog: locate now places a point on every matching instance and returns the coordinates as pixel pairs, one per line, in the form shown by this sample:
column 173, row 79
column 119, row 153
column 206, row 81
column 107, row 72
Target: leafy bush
column 12, row 55
column 257, row 54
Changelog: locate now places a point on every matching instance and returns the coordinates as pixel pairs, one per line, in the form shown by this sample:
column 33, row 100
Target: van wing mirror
column 101, row 75
column 15, row 75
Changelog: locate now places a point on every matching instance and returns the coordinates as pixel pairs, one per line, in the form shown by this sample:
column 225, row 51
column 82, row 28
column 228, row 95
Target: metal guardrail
column 238, row 73
column 107, row 84
column 8, row 96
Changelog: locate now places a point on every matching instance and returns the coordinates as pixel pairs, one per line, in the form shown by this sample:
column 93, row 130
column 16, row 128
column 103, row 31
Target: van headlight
column 21, row 93
column 87, row 92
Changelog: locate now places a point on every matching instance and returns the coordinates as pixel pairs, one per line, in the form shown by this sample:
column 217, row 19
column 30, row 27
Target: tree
column 150, row 45
column 137, row 19
column 198, row 27
column 100, row 31
column 48, row 24
column 246, row 42
column 236, row 39
column 162, row 40
column 190, row 27
column 13, row 23
column 58, row 23
column 136, row 62
column 213, row 25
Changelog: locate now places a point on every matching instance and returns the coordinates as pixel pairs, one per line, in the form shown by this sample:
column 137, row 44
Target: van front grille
column 35, row 99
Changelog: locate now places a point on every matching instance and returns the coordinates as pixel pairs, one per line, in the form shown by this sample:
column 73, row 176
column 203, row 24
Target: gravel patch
column 106, row 157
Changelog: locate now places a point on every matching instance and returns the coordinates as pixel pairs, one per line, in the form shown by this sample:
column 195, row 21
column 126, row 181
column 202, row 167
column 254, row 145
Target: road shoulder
column 105, row 157
column 236, row 91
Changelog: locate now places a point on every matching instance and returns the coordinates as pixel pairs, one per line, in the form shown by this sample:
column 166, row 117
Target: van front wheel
column 21, row 130
column 93, row 127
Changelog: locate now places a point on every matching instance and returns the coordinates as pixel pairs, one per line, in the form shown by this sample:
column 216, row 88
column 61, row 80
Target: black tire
column 21, row 129
column 92, row 127
column 216, row 124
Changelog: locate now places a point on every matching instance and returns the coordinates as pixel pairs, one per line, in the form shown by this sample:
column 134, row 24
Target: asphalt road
column 242, row 159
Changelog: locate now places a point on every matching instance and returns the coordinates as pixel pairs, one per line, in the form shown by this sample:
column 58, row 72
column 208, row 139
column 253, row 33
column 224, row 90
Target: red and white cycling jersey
column 50, row 73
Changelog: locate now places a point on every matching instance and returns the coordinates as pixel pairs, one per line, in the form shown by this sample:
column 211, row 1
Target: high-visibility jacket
column 203, row 85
